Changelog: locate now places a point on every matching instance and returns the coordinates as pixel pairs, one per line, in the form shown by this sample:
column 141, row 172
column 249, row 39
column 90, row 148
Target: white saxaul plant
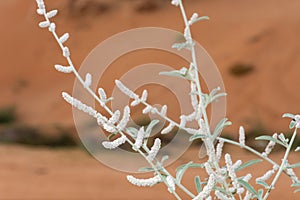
column 222, row 182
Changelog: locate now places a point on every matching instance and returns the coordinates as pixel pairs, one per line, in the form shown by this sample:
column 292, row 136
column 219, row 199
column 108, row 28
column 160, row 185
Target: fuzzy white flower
column 231, row 171
column 114, row 144
column 144, row 96
column 66, row 52
column 88, row 80
column 44, row 24
column 139, row 139
column 236, row 165
column 193, row 19
column 144, row 182
column 154, row 149
column 270, row 146
column 248, row 196
column 126, row 90
column 163, row 110
column 242, row 136
column 51, row 14
column 147, row 109
column 207, row 189
column 52, row 27
column 222, row 196
column 115, row 117
column 193, row 94
column 175, row 2
column 266, row 176
column 247, row 177
column 297, row 120
column 171, row 184
column 208, row 168
column 63, row 69
column 64, row 38
column 168, row 129
column 125, row 119
column 219, row 149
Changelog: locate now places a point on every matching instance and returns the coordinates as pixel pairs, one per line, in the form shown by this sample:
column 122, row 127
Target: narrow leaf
column 198, row 184
column 263, row 183
column 270, row 138
column 296, row 165
column 247, row 186
column 248, row 164
column 197, row 136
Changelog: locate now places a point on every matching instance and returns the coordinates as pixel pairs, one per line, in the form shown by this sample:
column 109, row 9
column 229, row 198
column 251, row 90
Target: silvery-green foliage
column 222, row 181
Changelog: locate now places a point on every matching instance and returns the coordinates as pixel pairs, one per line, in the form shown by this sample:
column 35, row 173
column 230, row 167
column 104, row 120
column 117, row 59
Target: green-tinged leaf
column 297, row 149
column 111, row 136
column 298, row 190
column 182, row 169
column 296, row 184
column 218, row 96
column 247, row 186
column 292, row 124
column 283, row 139
column 248, row 164
column 270, row 138
column 182, row 73
column 146, row 169
column 198, row 184
column 152, row 124
column 220, row 126
column 296, row 165
column 260, row 194
column 263, row 183
column 197, row 136
column 164, row 158
column 288, row 115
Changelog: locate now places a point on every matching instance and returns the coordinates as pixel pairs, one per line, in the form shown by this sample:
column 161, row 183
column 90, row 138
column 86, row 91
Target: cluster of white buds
column 139, row 139
column 154, row 149
column 168, row 129
column 270, row 146
column 144, row 182
column 116, row 143
column 242, row 136
column 266, row 176
column 175, row 2
column 207, row 189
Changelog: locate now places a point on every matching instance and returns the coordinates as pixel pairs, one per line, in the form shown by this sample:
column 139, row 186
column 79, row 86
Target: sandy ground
column 264, row 34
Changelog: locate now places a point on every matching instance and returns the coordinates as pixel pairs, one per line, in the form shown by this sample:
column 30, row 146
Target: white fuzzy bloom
column 63, row 69
column 40, row 4
column 109, row 128
column 182, row 121
column 51, row 14
column 115, row 117
column 79, row 105
column 44, row 24
column 208, row 168
column 247, row 178
column 266, row 176
column 270, row 146
column 248, row 195
column 135, row 102
column 240, row 190
column 171, row 184
column 139, row 139
column 154, row 149
column 236, row 165
column 66, row 52
column 297, row 120
column 222, row 196
column 219, row 149
column 163, row 110
column 230, row 170
column 52, row 27
column 292, row 174
column 64, row 38
column 147, row 109
column 154, row 110
column 242, row 136
column 168, row 129
column 194, row 98
column 114, row 144
column 40, row 11
column 102, row 96
column 144, row 182
column 175, row 2
column 88, row 80
column 126, row 90
column 190, row 117
column 144, row 96
column 193, row 19
column 125, row 119
column 208, row 198
column 207, row 189
column 101, row 120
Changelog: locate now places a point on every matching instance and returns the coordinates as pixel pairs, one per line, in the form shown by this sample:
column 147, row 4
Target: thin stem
column 282, row 166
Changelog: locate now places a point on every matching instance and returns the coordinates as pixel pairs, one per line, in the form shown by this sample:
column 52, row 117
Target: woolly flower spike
column 193, row 18
column 208, row 168
column 183, row 121
column 219, row 149
column 63, row 69
column 126, row 90
column 194, row 99
column 154, row 149
column 242, row 136
column 66, row 52
column 115, row 117
column 139, row 139
column 270, row 146
column 222, row 196
column 51, row 14
column 40, row 4
column 175, row 2
column 237, row 164
column 109, row 128
column 135, row 102
column 292, row 174
column 297, row 120
column 44, row 24
column 144, row 182
column 102, row 96
column 79, row 105
column 144, row 96
column 114, row 144
column 125, row 119
column 247, row 178
column 88, row 80
column 207, row 189
column 163, row 110
column 171, row 184
column 168, row 129
column 248, row 195
column 147, row 109
column 266, row 176
column 230, row 170
column 64, row 38
column 52, row 27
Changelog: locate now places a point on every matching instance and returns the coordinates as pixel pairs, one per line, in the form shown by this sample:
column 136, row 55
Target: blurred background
column 254, row 43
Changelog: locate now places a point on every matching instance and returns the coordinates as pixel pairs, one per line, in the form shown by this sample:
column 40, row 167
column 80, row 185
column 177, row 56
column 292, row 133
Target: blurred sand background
column 254, row 43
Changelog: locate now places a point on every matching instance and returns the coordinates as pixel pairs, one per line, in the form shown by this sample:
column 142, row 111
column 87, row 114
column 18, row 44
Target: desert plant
column 222, row 182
